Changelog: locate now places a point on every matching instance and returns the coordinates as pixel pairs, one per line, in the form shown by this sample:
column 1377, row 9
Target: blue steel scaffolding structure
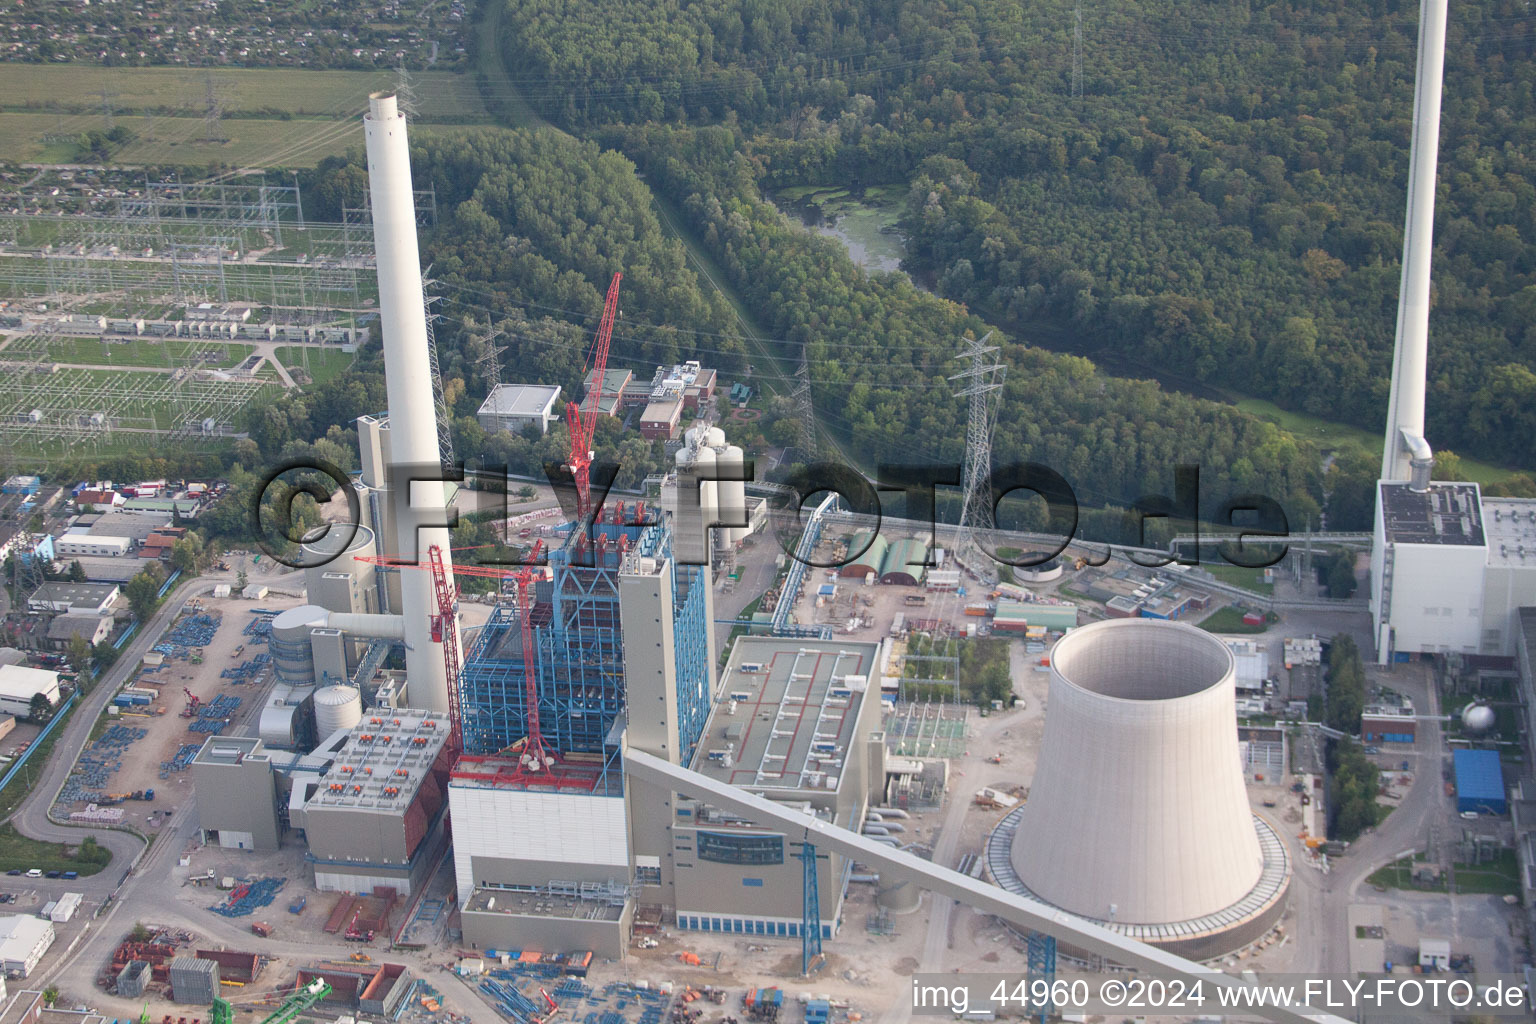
column 579, row 651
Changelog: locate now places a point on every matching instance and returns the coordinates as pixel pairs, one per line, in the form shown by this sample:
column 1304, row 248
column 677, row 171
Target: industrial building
column 365, row 800
column 1388, row 723
column 237, row 795
column 591, row 683
column 905, row 562
column 93, row 629
column 512, row 407
column 689, row 382
column 19, row 684
column 1450, row 569
column 1480, row 782
column 796, row 722
column 23, row 941
column 367, row 817
column 79, row 598
column 1140, row 765
column 867, row 550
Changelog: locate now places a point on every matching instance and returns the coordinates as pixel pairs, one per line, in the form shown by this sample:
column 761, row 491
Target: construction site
column 594, row 799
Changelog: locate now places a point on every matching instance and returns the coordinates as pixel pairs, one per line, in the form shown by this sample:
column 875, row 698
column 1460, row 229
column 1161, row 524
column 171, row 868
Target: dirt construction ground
column 167, row 731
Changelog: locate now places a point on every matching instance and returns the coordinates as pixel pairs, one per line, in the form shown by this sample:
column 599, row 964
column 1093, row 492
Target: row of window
column 746, row 926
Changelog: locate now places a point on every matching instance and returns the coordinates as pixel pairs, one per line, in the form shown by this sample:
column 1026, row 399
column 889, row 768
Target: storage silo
column 692, row 459
column 337, row 707
column 1137, row 816
column 732, row 494
column 293, row 657
column 342, row 583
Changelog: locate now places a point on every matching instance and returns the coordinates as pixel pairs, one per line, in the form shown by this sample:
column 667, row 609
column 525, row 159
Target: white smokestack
column 408, row 378
column 1405, row 411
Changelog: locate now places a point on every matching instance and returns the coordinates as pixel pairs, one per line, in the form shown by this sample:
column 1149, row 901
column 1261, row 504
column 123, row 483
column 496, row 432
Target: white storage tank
column 337, row 707
column 732, row 494
column 702, row 460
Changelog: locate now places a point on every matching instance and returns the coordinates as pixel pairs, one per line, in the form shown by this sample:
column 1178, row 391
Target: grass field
column 1229, row 620
column 440, row 95
column 1499, row 877
column 324, row 363
column 1239, row 576
column 250, row 142
column 19, row 852
column 1330, row 435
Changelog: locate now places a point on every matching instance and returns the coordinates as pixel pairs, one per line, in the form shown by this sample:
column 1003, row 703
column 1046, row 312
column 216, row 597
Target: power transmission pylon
column 107, row 94
column 405, row 91
column 1077, row 51
column 804, row 411
column 213, row 109
column 490, row 363
column 983, row 378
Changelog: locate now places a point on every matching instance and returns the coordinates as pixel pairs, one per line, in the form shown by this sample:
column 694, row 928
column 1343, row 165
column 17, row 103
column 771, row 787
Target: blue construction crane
column 811, row 957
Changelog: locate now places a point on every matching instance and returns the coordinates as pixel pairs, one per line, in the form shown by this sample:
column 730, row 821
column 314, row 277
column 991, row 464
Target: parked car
column 14, row 871
column 55, row 873
column 35, row 873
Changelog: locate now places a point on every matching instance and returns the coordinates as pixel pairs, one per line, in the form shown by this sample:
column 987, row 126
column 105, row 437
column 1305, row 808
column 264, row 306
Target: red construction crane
column 582, row 420
column 445, row 630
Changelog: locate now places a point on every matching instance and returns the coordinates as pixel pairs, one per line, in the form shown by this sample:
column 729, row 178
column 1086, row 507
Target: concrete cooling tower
column 1137, row 816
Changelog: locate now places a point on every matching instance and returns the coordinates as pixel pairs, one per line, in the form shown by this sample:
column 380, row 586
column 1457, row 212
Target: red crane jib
column 582, row 420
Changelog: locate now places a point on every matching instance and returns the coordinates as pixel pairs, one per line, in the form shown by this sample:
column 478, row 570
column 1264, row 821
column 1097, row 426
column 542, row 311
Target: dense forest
column 1223, row 200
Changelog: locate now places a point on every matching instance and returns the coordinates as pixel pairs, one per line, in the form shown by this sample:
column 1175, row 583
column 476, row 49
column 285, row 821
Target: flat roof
column 227, row 749
column 383, row 763
column 1449, row 514
column 520, row 400
column 1479, row 776
column 667, row 410
column 543, row 904
column 74, row 593
column 796, row 716
column 1511, row 527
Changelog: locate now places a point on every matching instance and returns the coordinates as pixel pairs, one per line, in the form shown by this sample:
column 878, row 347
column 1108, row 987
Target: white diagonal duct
column 1137, row 813
column 408, row 380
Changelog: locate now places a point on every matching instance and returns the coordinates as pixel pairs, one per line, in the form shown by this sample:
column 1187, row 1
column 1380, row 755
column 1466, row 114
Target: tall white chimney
column 1405, row 410
column 408, row 379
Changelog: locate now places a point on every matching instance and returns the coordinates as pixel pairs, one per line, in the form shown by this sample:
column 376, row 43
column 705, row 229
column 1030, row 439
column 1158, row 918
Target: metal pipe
column 408, row 383
column 1421, row 461
column 385, row 627
column 1405, row 409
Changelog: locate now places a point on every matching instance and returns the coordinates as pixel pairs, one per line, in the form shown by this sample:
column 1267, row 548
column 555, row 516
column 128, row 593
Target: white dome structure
column 1477, row 718
column 1137, row 816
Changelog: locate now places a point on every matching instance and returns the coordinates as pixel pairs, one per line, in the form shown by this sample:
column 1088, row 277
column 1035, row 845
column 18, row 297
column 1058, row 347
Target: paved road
column 31, row 818
column 1324, row 899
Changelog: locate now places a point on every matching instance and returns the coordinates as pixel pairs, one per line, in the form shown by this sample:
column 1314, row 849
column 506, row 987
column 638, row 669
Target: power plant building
column 796, row 723
column 1137, row 816
column 368, row 816
column 513, row 407
column 622, row 642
